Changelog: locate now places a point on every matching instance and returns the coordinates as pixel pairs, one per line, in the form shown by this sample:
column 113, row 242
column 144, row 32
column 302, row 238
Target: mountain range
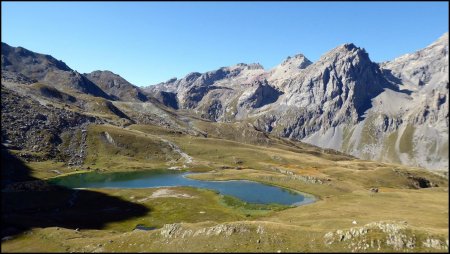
column 395, row 111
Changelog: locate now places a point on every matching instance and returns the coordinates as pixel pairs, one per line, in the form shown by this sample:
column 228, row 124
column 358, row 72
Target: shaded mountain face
column 116, row 86
column 24, row 66
column 395, row 111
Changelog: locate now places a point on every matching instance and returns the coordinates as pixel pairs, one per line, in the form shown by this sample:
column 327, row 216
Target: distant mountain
column 215, row 94
column 396, row 111
column 22, row 65
column 116, row 86
column 406, row 124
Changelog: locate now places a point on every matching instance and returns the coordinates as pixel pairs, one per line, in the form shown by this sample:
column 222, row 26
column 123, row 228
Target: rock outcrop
column 382, row 235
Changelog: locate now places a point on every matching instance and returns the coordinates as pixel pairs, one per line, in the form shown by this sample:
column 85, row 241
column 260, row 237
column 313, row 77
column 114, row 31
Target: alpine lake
column 247, row 191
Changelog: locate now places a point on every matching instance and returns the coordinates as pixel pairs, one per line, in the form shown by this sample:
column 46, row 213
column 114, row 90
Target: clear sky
column 151, row 42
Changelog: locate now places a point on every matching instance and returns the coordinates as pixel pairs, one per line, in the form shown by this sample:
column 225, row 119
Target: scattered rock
column 395, row 233
column 177, row 231
column 434, row 244
column 6, row 238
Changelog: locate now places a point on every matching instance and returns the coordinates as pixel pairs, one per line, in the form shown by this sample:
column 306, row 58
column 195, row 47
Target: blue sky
column 151, row 42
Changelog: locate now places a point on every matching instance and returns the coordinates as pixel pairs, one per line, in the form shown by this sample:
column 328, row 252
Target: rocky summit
column 395, row 111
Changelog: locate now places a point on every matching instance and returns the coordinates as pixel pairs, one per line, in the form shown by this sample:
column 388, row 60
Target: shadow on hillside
column 28, row 202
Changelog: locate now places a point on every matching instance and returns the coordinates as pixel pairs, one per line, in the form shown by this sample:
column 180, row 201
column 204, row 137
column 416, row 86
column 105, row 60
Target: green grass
column 347, row 134
column 368, row 134
column 130, row 151
column 406, row 141
column 250, row 209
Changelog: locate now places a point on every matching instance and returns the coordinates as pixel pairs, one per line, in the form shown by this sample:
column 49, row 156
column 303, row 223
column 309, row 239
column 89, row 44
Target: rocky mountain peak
column 105, row 72
column 190, row 77
column 252, row 66
column 443, row 40
column 289, row 68
column 348, row 52
column 298, row 61
column 116, row 86
column 416, row 70
column 21, row 64
column 17, row 57
column 172, row 80
column 337, row 88
column 349, row 46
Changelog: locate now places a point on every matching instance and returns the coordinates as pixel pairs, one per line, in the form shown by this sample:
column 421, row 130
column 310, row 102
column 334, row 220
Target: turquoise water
column 248, row 191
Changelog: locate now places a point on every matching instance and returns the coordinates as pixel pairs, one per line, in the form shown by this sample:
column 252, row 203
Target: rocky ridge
column 344, row 101
column 21, row 64
column 116, row 86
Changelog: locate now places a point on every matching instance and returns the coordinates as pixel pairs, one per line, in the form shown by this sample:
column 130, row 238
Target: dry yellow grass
column 343, row 196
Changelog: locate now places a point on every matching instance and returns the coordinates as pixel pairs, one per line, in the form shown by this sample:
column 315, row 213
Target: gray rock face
column 21, row 64
column 226, row 93
column 426, row 66
column 259, row 93
column 167, row 99
column 336, row 89
column 116, row 86
column 406, row 123
column 395, row 112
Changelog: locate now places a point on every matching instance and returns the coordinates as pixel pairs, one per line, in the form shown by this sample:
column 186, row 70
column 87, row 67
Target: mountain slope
column 426, row 66
column 116, row 86
column 21, row 64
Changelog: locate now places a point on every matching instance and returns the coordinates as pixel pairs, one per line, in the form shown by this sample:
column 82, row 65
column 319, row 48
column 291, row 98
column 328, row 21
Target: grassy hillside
column 401, row 216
